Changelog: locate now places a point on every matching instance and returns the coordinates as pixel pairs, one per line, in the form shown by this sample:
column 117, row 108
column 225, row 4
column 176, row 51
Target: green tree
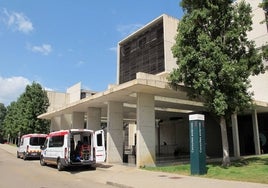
column 22, row 115
column 3, row 111
column 32, row 103
column 265, row 52
column 215, row 58
column 11, row 122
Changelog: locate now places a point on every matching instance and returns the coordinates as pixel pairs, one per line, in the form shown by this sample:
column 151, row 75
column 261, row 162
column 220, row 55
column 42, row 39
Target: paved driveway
column 131, row 177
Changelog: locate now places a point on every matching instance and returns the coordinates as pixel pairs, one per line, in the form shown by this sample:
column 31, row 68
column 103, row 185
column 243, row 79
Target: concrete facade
column 259, row 34
column 55, row 123
column 66, row 121
column 259, row 30
column 157, row 115
column 145, row 130
column 115, row 132
column 74, row 92
column 57, row 100
column 170, row 30
column 78, row 120
column 93, row 118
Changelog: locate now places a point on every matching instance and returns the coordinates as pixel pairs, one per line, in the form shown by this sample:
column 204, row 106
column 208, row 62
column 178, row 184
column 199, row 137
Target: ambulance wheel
column 42, row 161
column 18, row 156
column 59, row 165
column 24, row 156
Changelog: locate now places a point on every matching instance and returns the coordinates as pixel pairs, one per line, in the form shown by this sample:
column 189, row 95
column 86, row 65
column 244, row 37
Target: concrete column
column 145, row 130
column 235, row 135
column 115, row 132
column 78, row 120
column 256, row 132
column 55, row 123
column 94, row 119
column 66, row 121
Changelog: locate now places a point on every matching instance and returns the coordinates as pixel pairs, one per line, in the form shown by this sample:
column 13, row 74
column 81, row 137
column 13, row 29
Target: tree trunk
column 225, row 145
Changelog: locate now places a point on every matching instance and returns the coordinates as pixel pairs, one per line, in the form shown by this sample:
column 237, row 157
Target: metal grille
column 144, row 53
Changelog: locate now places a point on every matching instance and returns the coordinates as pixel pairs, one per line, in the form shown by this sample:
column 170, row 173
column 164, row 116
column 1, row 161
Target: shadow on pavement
column 99, row 165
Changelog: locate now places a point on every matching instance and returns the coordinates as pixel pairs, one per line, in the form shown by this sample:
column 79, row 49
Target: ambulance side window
column 56, row 141
column 50, row 142
column 37, row 141
column 45, row 144
column 99, row 140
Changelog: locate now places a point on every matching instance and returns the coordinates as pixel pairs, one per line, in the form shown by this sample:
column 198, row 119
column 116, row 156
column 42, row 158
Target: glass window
column 56, row 141
column 99, row 140
column 37, row 141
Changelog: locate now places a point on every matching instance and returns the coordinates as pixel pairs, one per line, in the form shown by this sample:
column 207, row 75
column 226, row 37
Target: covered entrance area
column 146, row 120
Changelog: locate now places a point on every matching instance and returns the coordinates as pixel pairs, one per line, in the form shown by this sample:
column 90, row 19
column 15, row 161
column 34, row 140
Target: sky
column 58, row 43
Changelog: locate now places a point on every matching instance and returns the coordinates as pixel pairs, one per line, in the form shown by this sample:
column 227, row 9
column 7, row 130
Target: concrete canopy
column 169, row 103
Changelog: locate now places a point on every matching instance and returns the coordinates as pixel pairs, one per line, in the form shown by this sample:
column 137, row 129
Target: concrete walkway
column 131, row 177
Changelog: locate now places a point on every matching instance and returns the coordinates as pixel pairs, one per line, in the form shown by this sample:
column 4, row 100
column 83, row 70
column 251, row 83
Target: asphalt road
column 30, row 174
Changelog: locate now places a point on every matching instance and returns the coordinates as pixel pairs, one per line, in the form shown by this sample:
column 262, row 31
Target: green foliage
column 3, row 111
column 11, row 120
column 21, row 117
column 250, row 169
column 265, row 52
column 214, row 56
column 183, row 169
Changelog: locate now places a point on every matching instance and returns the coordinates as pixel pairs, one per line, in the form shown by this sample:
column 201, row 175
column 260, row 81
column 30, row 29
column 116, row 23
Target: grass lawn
column 251, row 169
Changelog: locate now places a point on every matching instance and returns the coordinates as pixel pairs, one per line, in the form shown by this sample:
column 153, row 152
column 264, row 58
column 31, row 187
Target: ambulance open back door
column 99, row 146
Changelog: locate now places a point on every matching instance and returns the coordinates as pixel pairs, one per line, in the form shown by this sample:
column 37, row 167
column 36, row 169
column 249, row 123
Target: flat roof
column 168, row 102
column 146, row 27
column 166, row 99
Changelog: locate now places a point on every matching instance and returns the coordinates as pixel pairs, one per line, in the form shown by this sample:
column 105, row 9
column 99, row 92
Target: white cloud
column 80, row 63
column 128, row 29
column 113, row 49
column 44, row 49
column 48, row 89
column 11, row 88
column 17, row 21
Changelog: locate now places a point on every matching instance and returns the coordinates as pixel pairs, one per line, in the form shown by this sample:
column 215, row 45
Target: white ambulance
column 73, row 147
column 29, row 145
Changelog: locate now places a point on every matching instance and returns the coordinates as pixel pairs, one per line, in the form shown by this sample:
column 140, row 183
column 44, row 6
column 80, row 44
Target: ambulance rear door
column 99, row 146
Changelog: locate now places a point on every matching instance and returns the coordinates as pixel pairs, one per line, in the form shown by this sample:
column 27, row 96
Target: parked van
column 73, row 147
column 29, row 145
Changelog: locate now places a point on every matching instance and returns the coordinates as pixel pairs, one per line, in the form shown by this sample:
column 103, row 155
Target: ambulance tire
column 24, row 156
column 59, row 165
column 42, row 161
